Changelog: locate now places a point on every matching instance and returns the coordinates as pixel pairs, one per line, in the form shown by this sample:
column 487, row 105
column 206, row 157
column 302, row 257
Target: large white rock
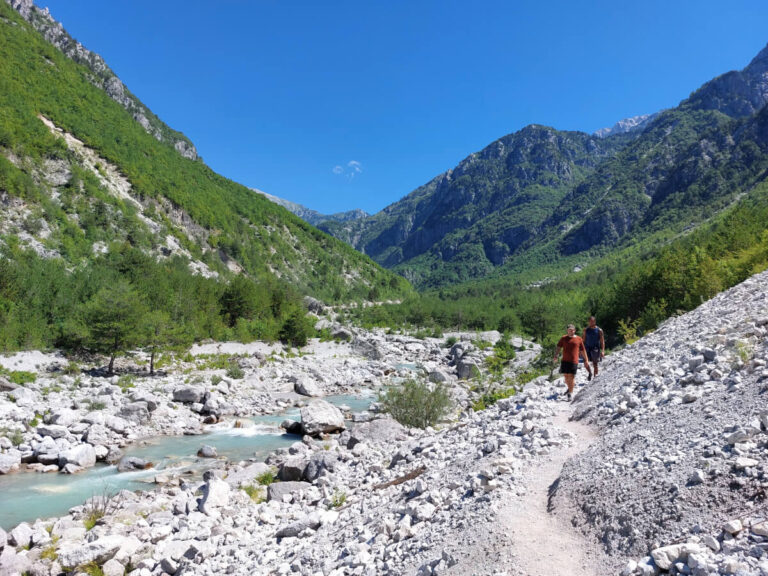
column 82, row 455
column 10, row 461
column 12, row 564
column 64, row 417
column 21, row 535
column 193, row 394
column 98, row 435
column 101, row 550
column 307, row 387
column 215, row 495
column 666, row 556
column 321, row 417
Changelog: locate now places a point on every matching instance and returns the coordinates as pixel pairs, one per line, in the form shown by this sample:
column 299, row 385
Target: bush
column 266, row 478
column 234, row 371
column 416, row 404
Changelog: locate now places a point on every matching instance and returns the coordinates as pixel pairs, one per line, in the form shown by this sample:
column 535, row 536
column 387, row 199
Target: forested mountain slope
column 92, row 196
column 540, row 197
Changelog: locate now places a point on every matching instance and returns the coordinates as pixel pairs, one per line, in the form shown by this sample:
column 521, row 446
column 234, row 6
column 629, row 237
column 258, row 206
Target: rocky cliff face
column 102, row 75
column 479, row 214
column 736, row 93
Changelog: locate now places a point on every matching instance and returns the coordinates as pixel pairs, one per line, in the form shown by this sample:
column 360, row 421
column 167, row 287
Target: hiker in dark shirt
column 594, row 342
column 572, row 347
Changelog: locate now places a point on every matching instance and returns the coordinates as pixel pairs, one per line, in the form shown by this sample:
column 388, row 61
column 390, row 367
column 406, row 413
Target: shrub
column 126, row 382
column 72, row 369
column 234, row 371
column 266, row 478
column 16, row 438
column 99, row 506
column 297, row 329
column 416, row 404
column 628, row 330
column 92, row 569
column 49, row 552
column 450, row 341
column 490, row 398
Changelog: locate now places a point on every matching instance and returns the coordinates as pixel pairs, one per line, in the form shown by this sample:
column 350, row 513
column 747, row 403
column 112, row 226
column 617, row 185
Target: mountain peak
column 626, row 125
column 738, row 93
column 760, row 61
column 313, row 216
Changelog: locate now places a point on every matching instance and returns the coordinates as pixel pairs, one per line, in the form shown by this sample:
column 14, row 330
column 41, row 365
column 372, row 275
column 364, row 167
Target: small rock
column 733, row 527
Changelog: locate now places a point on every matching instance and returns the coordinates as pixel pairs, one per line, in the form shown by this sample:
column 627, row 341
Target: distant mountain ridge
column 313, row 216
column 542, row 196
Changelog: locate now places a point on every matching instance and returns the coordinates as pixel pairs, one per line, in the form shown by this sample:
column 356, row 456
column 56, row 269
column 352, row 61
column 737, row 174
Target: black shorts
column 568, row 367
column 594, row 355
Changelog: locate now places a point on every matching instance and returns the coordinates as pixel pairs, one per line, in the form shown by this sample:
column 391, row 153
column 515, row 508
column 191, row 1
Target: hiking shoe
column 589, row 377
column 569, row 395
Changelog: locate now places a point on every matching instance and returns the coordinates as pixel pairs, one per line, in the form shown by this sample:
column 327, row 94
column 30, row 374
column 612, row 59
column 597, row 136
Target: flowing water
column 27, row 496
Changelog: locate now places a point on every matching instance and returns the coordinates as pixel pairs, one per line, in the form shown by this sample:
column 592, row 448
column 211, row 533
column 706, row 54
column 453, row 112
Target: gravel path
column 526, row 536
column 543, row 543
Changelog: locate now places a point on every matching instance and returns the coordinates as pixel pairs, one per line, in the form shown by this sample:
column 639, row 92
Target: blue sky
column 340, row 105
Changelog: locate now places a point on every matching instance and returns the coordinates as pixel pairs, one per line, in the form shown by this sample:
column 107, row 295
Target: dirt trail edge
column 526, row 538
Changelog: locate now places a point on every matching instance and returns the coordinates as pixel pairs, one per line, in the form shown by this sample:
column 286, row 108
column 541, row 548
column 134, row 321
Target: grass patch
column 338, row 499
column 255, row 492
column 19, row 377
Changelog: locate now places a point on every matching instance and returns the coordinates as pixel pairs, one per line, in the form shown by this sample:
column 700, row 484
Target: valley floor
column 659, row 466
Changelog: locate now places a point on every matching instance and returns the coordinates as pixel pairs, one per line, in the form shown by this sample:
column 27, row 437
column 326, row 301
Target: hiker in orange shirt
column 572, row 346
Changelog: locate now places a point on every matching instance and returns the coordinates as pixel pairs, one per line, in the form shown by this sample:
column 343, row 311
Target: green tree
column 239, row 300
column 114, row 317
column 160, row 333
column 297, row 328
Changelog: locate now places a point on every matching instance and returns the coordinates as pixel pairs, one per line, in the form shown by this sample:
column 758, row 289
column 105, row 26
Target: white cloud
column 352, row 169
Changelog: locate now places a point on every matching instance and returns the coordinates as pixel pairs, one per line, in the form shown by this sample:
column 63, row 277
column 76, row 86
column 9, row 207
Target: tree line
column 126, row 299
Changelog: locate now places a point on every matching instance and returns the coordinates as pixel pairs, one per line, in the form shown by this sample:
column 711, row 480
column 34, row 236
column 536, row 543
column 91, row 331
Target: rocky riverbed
column 66, row 421
column 663, row 470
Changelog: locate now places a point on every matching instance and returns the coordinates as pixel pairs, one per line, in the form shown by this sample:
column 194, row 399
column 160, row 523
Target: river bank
column 104, row 420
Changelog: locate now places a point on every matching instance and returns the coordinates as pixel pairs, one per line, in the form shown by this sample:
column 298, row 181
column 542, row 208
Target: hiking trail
column 527, row 539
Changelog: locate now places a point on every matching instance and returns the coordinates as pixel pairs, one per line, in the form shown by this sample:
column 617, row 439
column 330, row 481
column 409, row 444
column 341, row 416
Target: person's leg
column 569, row 382
column 595, row 369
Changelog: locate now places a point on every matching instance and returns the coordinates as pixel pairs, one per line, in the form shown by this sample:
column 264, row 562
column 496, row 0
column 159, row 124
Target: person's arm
column 602, row 344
